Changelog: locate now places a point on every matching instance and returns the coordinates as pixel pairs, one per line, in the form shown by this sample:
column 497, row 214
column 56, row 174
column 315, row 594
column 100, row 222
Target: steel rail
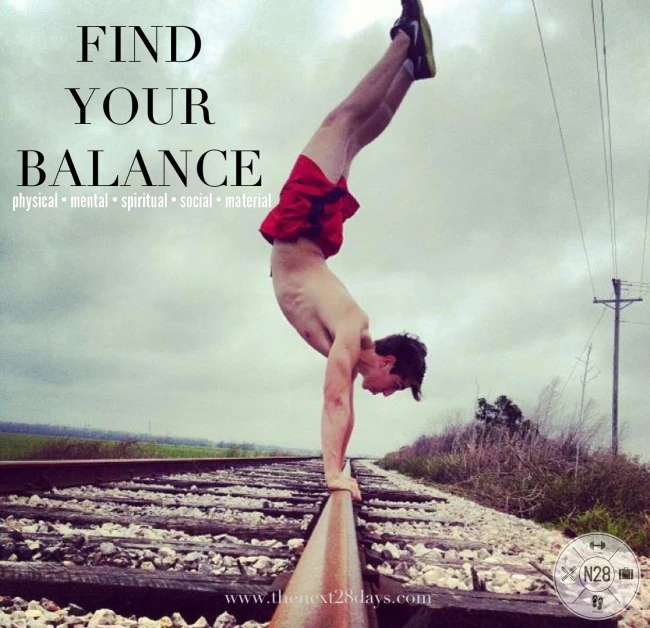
column 30, row 475
column 326, row 588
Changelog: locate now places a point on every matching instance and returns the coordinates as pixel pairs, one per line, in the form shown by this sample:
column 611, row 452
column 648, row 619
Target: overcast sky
column 467, row 233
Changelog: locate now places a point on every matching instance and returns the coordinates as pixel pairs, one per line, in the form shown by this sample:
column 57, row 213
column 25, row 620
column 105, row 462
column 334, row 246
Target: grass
column 559, row 479
column 35, row 447
column 20, row 446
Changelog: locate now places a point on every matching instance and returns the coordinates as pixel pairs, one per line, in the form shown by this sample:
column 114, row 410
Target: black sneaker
column 415, row 25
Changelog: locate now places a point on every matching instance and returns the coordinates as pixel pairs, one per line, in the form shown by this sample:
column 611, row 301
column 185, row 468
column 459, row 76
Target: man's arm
column 348, row 432
column 338, row 414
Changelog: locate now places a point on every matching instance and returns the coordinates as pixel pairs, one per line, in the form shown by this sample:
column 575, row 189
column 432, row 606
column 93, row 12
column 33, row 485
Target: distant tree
column 503, row 413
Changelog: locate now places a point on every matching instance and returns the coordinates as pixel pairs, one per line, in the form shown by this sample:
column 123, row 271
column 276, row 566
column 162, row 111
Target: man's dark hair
column 409, row 353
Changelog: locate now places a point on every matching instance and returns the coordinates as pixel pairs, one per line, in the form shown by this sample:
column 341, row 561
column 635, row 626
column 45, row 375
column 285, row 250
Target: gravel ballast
column 508, row 547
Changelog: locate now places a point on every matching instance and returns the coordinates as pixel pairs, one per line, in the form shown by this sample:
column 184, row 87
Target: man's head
column 400, row 364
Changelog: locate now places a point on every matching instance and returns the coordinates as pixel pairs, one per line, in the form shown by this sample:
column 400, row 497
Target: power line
column 602, row 125
column 631, row 286
column 609, row 131
column 566, row 157
column 635, row 323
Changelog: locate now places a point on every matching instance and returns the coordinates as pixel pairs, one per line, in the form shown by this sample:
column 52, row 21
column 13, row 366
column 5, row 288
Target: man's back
column 311, row 297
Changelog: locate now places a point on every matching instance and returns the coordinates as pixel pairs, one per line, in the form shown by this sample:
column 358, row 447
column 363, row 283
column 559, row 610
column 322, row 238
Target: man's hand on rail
column 345, row 484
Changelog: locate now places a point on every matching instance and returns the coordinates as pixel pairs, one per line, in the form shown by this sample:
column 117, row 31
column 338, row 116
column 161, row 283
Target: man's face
column 378, row 379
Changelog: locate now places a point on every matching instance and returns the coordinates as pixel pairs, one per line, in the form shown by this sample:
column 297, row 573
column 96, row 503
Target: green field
column 19, row 446
column 34, row 446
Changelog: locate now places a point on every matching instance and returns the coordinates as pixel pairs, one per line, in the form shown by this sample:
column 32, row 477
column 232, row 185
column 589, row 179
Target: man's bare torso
column 311, row 297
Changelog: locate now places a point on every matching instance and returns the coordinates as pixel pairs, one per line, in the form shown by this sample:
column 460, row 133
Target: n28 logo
column 596, row 573
column 606, row 580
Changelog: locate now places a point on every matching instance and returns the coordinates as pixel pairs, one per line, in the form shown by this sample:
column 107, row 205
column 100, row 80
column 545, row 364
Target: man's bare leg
column 375, row 126
column 341, row 135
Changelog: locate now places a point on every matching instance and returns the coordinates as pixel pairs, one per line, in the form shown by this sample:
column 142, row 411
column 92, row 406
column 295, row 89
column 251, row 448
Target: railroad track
column 258, row 539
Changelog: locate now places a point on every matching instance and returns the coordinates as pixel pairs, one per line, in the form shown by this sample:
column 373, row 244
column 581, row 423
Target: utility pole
column 617, row 324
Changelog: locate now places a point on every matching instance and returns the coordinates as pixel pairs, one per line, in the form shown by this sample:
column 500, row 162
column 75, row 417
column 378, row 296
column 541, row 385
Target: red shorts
column 311, row 206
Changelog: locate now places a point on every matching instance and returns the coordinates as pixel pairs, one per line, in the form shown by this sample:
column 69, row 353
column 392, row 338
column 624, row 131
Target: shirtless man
column 306, row 228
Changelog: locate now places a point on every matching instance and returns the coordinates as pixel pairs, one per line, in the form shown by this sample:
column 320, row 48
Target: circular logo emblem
column 596, row 576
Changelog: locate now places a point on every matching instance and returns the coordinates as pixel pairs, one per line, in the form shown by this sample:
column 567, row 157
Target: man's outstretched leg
column 315, row 202
column 372, row 128
column 367, row 111
column 334, row 144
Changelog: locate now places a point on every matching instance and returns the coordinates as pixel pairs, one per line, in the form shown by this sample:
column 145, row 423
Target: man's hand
column 345, row 484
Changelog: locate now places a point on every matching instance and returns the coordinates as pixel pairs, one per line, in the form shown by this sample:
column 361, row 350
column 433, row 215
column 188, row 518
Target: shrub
column 561, row 478
column 76, row 449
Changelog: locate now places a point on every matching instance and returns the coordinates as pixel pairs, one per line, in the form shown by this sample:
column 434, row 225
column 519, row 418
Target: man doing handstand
column 306, row 228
